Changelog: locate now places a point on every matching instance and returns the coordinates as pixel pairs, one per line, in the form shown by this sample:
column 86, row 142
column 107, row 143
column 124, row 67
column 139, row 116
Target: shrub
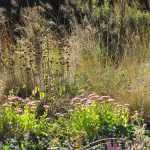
column 100, row 120
column 86, row 123
column 12, row 123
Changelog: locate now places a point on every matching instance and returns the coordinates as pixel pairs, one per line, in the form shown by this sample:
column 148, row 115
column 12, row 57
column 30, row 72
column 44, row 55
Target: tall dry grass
column 84, row 62
column 93, row 70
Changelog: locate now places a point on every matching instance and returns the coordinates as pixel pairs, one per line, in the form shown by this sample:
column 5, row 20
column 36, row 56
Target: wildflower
column 59, row 115
column 31, row 103
column 127, row 105
column 110, row 100
column 19, row 111
column 95, row 97
column 13, row 98
column 88, row 102
column 36, row 102
column 76, row 99
column 70, row 110
column 27, row 100
column 78, row 103
column 33, row 108
column 11, row 103
column 113, row 146
column 83, row 100
column 104, row 97
column 102, row 102
column 46, row 107
column 5, row 105
column 20, row 99
column 91, row 95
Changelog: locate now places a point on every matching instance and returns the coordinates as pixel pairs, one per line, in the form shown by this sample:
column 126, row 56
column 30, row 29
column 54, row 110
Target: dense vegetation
column 74, row 74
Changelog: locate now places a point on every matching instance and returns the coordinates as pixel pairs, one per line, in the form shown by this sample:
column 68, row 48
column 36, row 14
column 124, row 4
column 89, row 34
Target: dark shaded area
column 142, row 4
column 64, row 14
column 57, row 10
column 61, row 11
column 13, row 7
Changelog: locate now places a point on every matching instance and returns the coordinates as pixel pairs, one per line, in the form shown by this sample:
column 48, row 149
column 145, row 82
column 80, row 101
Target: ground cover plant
column 93, row 118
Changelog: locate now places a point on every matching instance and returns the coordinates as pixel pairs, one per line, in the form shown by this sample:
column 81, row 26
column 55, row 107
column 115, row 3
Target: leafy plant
column 12, row 123
column 100, row 120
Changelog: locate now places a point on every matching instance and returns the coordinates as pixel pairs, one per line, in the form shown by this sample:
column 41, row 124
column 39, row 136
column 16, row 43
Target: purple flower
column 102, row 98
column 19, row 111
column 113, row 146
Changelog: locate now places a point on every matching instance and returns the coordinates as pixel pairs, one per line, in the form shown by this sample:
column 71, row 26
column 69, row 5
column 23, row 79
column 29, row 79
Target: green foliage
column 23, row 131
column 100, row 120
column 86, row 120
column 7, row 120
column 81, row 126
column 13, row 123
column 138, row 17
